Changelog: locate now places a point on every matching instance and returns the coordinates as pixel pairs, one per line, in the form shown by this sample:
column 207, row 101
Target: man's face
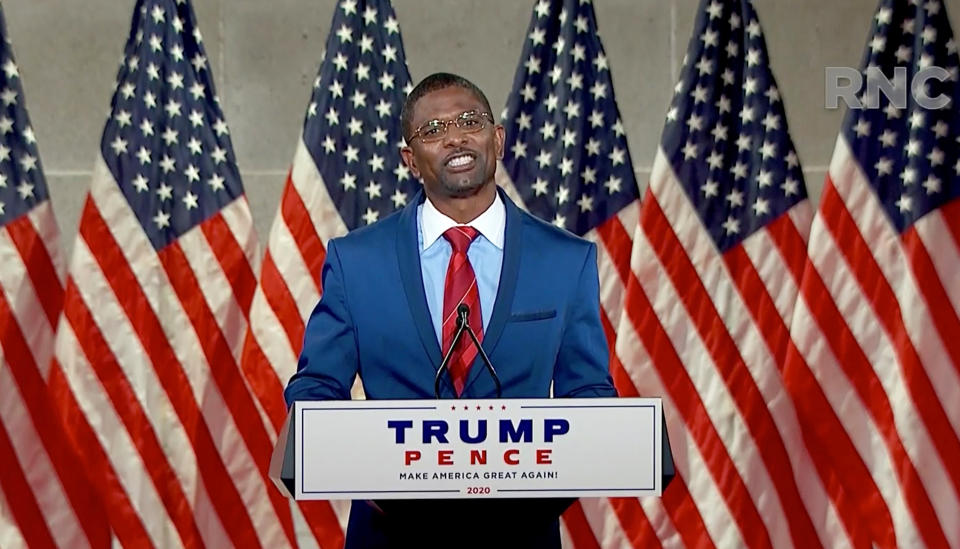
column 460, row 163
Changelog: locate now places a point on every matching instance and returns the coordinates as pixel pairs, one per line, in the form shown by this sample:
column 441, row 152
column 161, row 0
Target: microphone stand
column 463, row 325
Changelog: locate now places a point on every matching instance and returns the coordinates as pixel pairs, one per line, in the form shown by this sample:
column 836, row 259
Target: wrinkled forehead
column 444, row 104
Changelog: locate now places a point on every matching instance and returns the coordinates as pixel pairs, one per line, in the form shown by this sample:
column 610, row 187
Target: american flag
column 716, row 261
column 346, row 173
column 566, row 160
column 876, row 327
column 147, row 357
column 44, row 500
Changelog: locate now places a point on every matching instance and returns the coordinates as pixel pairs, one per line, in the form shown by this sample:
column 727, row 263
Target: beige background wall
column 265, row 53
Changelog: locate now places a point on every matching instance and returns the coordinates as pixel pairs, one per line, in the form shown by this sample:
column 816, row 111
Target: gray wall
column 265, row 54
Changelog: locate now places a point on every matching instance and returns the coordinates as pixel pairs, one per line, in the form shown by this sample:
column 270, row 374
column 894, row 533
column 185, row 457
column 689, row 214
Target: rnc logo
column 846, row 82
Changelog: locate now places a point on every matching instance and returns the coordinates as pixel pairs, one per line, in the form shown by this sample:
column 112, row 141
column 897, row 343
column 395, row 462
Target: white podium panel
column 431, row 449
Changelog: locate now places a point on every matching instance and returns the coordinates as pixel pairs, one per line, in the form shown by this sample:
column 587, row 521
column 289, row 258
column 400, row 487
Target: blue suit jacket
column 373, row 321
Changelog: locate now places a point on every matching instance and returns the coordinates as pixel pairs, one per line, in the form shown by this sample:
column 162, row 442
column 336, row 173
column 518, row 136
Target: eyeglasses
column 468, row 122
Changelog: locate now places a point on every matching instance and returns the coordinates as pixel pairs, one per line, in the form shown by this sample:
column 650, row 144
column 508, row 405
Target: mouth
column 461, row 161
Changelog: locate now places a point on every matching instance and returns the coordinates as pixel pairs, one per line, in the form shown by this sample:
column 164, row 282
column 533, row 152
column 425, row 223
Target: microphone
column 463, row 325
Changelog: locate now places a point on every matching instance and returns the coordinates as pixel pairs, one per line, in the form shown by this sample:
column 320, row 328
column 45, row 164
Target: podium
column 558, row 449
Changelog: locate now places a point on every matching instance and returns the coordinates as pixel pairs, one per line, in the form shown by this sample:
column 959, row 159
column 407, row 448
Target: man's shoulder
column 548, row 234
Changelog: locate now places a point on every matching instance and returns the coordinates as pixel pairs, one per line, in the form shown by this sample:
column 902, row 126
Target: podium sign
column 504, row 448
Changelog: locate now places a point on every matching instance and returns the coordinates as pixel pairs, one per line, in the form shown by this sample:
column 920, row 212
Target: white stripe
column 10, row 537
column 267, row 331
column 773, row 271
column 239, row 219
column 887, row 249
column 313, row 191
column 603, row 522
column 45, row 224
column 151, row 276
column 659, row 519
column 291, row 266
column 802, row 216
column 113, row 437
column 944, row 253
column 24, row 302
column 690, row 467
column 853, row 415
column 216, row 291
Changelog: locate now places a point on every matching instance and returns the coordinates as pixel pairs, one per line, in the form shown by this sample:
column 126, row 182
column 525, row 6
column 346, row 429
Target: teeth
column 459, row 161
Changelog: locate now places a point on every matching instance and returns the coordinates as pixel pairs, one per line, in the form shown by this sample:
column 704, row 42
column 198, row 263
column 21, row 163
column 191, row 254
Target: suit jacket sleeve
column 582, row 368
column 328, row 362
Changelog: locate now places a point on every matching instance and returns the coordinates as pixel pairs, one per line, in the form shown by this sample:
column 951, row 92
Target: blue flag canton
column 909, row 152
column 22, row 185
column 352, row 125
column 566, row 149
column 726, row 133
column 166, row 142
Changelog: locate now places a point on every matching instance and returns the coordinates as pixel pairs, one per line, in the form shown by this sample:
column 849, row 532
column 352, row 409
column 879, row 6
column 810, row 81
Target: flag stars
column 563, row 194
column 598, row 90
column 143, row 155
column 617, row 156
column 169, row 136
column 909, row 176
column 25, row 190
column 566, row 166
column 10, row 69
column 884, row 166
column 710, row 188
column 888, row 138
column 358, row 99
column 932, row 184
column 216, row 182
column 731, row 225
column 373, row 190
column 790, row 187
column 735, row 198
column 366, row 44
column 761, row 207
column 548, row 130
column 340, row 61
column 362, row 72
column 162, row 219
column 596, row 119
column 218, row 155
column 585, row 203
column 771, row 122
column 190, row 200
column 352, row 154
column 538, row 36
column 194, row 145
column 572, row 110
column 540, row 186
column 699, row 94
column 862, row 128
column 581, row 24
column 140, row 183
column 551, row 102
column 167, row 164
column 371, row 216
column 904, row 204
column 593, row 147
column 164, row 192
column 791, row 160
column 579, row 53
column 588, row 175
column 196, row 118
column 544, row 158
column 119, row 145
column 379, row 136
column 613, row 184
column 386, row 81
column 344, row 34
column 376, row 163
column 940, row 129
column 389, row 53
column 715, row 160
column 392, row 26
column 935, row 157
column 192, row 173
column 519, row 149
column 601, row 62
column 569, row 138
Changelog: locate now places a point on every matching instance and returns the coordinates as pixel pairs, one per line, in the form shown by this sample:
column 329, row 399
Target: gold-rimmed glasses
column 468, row 122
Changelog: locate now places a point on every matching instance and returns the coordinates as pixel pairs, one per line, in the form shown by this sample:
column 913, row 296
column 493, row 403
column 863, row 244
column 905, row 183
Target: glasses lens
column 432, row 130
column 471, row 121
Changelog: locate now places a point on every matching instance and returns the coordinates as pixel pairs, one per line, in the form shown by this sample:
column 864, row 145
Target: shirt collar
column 490, row 223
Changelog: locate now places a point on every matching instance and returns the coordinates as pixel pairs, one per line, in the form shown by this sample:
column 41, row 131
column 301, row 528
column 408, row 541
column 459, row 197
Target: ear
column 408, row 158
column 499, row 136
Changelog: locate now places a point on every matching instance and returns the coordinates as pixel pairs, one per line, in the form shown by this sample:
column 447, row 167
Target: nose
column 454, row 135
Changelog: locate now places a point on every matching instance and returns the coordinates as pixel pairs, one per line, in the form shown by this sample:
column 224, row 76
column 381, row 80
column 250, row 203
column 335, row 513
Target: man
column 391, row 293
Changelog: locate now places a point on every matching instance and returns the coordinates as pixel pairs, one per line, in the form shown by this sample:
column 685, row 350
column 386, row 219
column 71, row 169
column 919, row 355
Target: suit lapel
column 408, row 255
column 509, row 272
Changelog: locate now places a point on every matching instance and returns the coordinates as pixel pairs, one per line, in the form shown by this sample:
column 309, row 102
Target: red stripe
column 618, row 243
column 731, row 366
column 26, row 375
column 942, row 313
column 263, row 381
column 686, row 518
column 20, row 501
column 881, row 296
column 578, row 527
column 856, row 478
column 226, row 374
column 126, row 288
column 40, row 269
column 951, row 216
column 323, row 523
column 677, row 382
column 636, row 525
column 232, row 259
column 127, row 407
column 125, row 523
column 278, row 295
column 860, row 373
column 298, row 222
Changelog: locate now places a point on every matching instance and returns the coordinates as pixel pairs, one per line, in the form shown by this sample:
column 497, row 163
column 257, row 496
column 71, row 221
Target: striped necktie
column 459, row 287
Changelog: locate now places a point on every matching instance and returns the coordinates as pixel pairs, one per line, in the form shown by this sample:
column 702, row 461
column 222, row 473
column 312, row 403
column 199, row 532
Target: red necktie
column 459, row 287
